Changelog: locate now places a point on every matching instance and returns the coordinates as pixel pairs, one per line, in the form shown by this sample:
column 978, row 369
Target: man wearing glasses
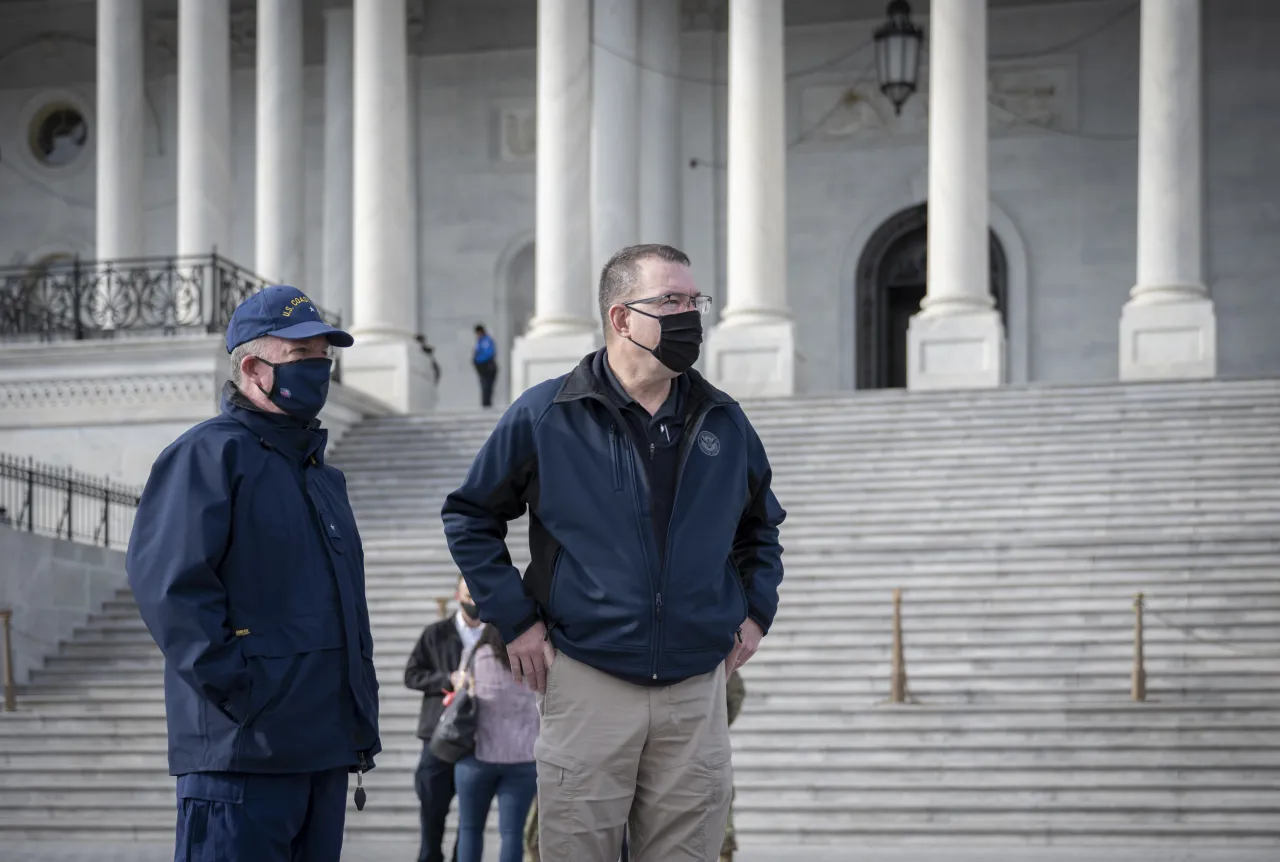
column 655, row 568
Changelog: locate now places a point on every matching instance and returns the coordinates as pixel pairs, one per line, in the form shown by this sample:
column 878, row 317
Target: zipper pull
column 651, row 448
column 360, row 794
column 739, row 634
column 659, row 605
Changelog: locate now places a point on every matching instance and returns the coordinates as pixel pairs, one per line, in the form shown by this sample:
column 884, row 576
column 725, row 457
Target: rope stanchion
column 1138, row 687
column 898, row 677
column 442, row 602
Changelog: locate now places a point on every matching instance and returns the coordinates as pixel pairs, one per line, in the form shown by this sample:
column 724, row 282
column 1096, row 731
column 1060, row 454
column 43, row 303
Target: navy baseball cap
column 284, row 312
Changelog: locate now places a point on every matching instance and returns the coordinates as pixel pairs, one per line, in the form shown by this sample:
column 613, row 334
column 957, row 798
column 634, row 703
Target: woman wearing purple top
column 502, row 764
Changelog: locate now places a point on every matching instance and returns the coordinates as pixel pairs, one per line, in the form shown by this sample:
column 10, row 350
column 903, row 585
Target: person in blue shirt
column 485, row 357
column 248, row 571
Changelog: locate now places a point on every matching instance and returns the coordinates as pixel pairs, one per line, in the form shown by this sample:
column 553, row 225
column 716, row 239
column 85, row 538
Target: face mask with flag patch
column 300, row 387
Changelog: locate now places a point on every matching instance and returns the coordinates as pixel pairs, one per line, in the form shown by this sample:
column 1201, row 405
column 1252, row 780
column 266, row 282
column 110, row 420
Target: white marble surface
column 615, row 128
column 959, row 269
column 757, row 165
column 279, row 240
column 1156, row 341
column 339, row 106
column 563, row 279
column 204, row 127
column 661, row 165
column 956, row 351
column 120, row 129
column 385, row 303
column 1070, row 195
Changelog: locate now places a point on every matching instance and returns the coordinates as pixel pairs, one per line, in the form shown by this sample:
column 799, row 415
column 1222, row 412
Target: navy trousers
column 238, row 817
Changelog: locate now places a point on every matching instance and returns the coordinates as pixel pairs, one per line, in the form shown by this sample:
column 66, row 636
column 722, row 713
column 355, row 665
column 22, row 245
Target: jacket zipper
column 616, row 455
column 685, row 448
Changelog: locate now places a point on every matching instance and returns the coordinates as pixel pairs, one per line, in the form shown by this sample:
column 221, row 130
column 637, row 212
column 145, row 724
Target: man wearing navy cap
column 249, row 574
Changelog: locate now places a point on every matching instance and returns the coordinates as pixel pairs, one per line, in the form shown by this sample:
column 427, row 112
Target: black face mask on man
column 681, row 338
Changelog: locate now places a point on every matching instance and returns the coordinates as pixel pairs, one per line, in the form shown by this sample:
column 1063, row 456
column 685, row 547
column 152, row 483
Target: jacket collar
column 584, row 382
column 298, row 440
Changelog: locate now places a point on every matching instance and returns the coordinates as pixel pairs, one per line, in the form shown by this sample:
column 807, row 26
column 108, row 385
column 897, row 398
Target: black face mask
column 679, row 343
column 470, row 610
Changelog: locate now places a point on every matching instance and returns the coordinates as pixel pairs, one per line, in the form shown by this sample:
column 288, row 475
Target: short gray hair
column 249, row 348
column 619, row 276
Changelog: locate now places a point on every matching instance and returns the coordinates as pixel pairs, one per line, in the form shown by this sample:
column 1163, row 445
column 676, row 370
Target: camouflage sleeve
column 735, row 691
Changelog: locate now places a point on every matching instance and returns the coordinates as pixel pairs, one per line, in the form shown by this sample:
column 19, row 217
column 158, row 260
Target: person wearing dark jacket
column 434, row 660
column 249, row 573
column 653, row 535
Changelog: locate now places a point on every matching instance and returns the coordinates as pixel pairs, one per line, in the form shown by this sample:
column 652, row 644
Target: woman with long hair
column 502, row 764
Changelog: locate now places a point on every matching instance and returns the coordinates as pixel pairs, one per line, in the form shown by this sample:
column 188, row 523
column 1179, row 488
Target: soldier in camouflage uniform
column 735, row 692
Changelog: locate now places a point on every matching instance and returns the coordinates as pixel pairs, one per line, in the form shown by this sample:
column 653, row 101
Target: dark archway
column 890, row 287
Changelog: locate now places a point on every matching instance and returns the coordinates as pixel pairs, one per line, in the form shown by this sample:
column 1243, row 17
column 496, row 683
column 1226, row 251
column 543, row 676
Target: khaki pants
column 612, row 754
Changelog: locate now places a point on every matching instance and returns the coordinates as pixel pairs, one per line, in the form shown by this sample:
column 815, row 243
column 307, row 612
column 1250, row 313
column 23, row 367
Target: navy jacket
column 597, row 578
column 249, row 573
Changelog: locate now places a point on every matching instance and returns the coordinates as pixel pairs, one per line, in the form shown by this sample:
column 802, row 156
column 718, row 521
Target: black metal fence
column 77, row 299
column 61, row 502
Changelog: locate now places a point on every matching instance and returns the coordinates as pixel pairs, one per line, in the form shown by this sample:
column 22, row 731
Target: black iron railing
column 61, row 502
column 98, row 299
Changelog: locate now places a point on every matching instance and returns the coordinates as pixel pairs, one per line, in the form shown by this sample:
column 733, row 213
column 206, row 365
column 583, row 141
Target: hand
column 455, row 679
column 744, row 649
column 530, row 655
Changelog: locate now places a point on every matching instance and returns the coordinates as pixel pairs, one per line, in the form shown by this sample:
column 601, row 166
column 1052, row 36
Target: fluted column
column 661, row 166
column 278, row 223
column 564, row 324
column 752, row 351
column 121, row 121
column 385, row 361
column 957, row 339
column 338, row 182
column 204, row 126
column 1168, row 328
column 615, row 129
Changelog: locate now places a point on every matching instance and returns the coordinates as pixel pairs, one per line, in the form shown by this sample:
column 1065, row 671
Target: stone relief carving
column 517, row 134
column 168, row 389
column 1021, row 99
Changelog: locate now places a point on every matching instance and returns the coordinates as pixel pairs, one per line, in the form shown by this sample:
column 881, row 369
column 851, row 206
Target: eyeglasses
column 674, row 303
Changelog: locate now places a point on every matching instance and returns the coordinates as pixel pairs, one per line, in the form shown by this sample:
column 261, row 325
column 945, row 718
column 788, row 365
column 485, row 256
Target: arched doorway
column 890, row 287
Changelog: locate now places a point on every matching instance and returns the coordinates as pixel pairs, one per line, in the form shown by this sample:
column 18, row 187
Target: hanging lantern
column 898, row 43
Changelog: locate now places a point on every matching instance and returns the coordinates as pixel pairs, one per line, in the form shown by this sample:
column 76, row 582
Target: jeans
column 433, row 781
column 515, row 785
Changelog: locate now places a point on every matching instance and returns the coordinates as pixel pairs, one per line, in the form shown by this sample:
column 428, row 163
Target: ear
column 252, row 369
column 620, row 321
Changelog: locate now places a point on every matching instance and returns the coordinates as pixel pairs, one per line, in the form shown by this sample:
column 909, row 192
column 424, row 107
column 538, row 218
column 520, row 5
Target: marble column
column 1168, row 328
column 338, row 184
column 957, row 339
column 564, row 326
column 121, row 122
column 752, row 351
column 615, row 128
column 204, row 128
column 278, row 223
column 385, row 362
column 661, row 165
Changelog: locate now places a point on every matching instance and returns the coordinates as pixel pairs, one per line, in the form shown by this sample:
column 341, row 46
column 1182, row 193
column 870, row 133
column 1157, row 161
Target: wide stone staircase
column 1019, row 525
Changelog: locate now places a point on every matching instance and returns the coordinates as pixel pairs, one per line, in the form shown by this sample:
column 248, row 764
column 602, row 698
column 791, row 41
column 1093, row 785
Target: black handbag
column 455, row 734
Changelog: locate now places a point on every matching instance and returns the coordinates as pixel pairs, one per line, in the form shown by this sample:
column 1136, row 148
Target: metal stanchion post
column 10, row 692
column 898, row 680
column 443, row 604
column 1139, row 683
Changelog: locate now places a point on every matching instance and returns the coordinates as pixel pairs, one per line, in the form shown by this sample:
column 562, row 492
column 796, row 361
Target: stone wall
column 52, row 586
column 1063, row 170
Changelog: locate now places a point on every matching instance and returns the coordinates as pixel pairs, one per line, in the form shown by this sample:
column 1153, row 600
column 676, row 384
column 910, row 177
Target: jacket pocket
column 551, row 588
column 616, row 451
column 276, row 653
column 332, row 532
column 742, row 590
